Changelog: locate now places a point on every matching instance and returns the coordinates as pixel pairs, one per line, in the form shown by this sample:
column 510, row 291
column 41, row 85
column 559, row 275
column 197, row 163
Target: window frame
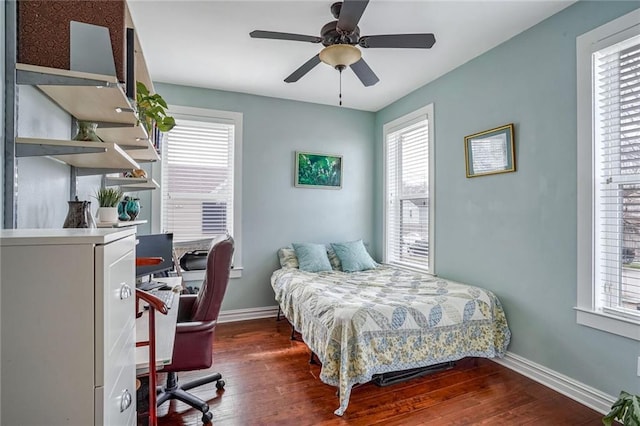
column 586, row 44
column 216, row 116
column 391, row 127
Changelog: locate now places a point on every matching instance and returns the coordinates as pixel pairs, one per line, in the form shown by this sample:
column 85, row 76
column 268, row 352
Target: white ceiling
column 207, row 44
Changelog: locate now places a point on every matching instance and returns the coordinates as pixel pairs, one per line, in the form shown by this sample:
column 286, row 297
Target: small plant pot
column 108, row 214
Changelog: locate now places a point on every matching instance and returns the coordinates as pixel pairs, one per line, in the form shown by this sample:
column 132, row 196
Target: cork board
column 44, row 30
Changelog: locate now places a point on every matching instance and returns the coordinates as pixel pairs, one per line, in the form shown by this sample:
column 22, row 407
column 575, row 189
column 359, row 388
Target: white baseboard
column 585, row 395
column 247, row 314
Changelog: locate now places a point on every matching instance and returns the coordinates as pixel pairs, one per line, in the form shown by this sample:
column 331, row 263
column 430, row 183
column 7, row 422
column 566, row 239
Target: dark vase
column 122, row 211
column 133, row 208
column 79, row 215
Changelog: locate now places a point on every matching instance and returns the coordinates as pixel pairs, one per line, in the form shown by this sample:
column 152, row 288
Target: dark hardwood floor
column 270, row 381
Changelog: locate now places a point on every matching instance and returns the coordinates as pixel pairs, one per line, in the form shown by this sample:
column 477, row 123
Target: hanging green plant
column 152, row 108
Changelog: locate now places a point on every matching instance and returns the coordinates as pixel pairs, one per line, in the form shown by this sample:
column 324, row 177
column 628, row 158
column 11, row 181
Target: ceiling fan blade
column 305, row 68
column 284, row 36
column 350, row 14
column 364, row 73
column 411, row 41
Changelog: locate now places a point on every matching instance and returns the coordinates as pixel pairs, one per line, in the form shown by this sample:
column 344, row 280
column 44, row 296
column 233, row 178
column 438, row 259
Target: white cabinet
column 67, row 318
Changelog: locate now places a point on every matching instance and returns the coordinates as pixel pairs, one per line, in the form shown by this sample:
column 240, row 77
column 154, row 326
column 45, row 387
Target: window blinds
column 197, row 176
column 617, row 212
column 407, row 186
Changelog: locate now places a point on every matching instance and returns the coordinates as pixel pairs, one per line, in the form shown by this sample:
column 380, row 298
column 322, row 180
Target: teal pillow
column 354, row 256
column 312, row 257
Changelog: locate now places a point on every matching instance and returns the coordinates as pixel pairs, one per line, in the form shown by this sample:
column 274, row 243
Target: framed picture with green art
column 314, row 170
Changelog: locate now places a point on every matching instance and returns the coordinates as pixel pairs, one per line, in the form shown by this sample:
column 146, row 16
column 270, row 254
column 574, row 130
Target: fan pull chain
column 340, row 94
column 340, row 68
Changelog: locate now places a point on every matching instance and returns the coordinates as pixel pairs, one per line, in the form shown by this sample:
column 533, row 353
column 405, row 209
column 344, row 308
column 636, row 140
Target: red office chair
column 197, row 317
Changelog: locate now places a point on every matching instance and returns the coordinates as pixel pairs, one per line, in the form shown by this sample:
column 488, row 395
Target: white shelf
column 144, row 154
column 86, row 96
column 120, row 224
column 96, row 98
column 124, row 136
column 130, row 184
column 133, row 139
column 111, row 156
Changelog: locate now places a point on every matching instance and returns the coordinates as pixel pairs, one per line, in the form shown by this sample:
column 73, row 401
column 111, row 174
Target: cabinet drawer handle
column 125, row 401
column 125, row 291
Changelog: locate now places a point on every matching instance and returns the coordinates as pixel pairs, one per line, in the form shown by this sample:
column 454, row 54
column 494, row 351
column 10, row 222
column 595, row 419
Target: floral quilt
column 364, row 323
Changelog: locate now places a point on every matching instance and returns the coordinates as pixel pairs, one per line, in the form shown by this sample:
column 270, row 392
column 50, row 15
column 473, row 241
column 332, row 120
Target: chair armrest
column 187, row 300
column 152, row 300
column 194, row 326
column 185, row 306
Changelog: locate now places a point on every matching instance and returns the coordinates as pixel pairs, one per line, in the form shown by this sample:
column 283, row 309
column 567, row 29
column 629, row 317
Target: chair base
column 174, row 391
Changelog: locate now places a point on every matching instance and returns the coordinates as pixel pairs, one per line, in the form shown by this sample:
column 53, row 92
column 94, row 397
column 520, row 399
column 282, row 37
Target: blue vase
column 122, row 211
column 133, row 208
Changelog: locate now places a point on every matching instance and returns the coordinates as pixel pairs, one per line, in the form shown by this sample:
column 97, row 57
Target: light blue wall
column 516, row 233
column 274, row 212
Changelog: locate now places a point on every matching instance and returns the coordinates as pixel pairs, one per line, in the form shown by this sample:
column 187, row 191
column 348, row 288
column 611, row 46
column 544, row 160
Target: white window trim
column 203, row 114
column 389, row 128
column 609, row 33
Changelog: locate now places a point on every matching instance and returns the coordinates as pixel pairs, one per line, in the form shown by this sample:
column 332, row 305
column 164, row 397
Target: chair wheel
column 220, row 384
column 206, row 418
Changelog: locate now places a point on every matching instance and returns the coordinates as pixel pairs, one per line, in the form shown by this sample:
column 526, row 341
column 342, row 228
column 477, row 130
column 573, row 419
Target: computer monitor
column 155, row 245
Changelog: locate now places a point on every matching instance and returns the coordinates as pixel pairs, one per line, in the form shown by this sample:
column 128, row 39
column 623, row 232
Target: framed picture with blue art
column 315, row 170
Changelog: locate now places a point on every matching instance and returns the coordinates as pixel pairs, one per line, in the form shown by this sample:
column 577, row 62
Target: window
column 609, row 177
column 408, row 165
column 214, row 218
column 200, row 175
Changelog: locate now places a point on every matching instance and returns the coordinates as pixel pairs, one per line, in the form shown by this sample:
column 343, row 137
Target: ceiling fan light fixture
column 340, row 55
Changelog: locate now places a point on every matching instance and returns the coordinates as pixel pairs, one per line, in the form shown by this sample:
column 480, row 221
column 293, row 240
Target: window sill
column 188, row 276
column 406, row 267
column 625, row 327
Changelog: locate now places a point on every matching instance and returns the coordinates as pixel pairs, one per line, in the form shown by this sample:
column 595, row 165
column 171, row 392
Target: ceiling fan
column 340, row 39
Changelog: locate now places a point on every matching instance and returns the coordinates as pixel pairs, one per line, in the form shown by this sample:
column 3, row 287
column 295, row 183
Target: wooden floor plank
column 270, row 381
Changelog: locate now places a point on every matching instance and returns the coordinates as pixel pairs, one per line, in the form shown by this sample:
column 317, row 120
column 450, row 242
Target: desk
column 165, row 332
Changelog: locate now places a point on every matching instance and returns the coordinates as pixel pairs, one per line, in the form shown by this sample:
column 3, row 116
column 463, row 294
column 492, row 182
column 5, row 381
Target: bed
column 360, row 324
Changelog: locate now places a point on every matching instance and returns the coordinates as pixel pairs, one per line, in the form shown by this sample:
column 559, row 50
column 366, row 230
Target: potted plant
column 626, row 409
column 152, row 109
column 108, row 199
